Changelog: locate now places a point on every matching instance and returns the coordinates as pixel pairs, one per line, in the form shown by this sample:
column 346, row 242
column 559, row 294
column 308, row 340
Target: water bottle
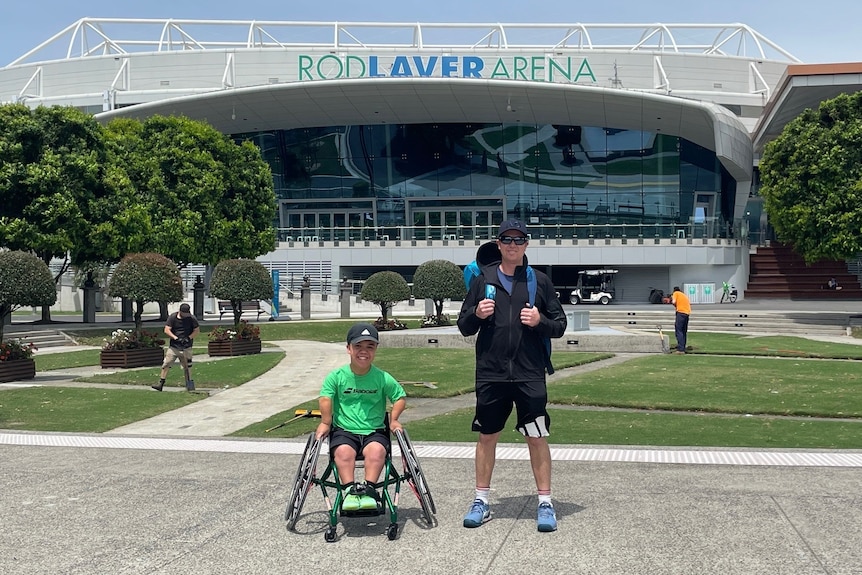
column 490, row 291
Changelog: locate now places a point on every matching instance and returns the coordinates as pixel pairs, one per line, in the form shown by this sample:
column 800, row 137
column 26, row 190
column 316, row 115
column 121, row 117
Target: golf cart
column 594, row 286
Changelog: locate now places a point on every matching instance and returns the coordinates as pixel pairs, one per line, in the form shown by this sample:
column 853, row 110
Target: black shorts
column 494, row 402
column 340, row 436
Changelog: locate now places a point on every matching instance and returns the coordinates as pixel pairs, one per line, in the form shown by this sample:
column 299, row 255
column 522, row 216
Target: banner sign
column 275, row 285
column 529, row 68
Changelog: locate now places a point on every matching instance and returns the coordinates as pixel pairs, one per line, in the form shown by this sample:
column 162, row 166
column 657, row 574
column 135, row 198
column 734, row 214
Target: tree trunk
column 46, row 314
column 439, row 304
column 139, row 310
column 163, row 311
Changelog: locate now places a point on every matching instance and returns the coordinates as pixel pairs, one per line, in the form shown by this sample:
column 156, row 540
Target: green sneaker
column 367, row 503
column 351, row 503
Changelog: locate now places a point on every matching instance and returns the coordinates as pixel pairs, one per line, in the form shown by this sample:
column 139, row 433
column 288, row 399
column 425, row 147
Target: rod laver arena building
column 625, row 146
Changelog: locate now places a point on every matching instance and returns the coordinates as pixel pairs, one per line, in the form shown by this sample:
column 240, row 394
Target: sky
column 814, row 32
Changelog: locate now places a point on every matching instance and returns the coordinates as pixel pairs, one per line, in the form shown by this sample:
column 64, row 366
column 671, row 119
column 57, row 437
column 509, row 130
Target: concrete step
column 726, row 320
column 42, row 338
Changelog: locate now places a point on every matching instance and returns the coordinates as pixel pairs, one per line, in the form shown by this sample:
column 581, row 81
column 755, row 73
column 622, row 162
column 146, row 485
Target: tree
column 812, row 181
column 385, row 289
column 240, row 280
column 25, row 280
column 439, row 280
column 146, row 277
column 188, row 192
column 52, row 169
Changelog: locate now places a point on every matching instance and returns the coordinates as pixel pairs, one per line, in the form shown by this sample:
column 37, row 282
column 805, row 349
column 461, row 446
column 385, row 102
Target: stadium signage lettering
column 529, row 68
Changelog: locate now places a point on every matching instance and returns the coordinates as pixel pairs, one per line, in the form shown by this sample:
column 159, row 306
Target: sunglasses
column 518, row 241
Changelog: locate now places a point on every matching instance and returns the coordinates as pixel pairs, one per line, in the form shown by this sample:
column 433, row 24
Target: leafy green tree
column 385, row 289
column 146, row 277
column 25, row 280
column 812, row 181
column 439, row 280
column 52, row 171
column 240, row 280
column 188, row 191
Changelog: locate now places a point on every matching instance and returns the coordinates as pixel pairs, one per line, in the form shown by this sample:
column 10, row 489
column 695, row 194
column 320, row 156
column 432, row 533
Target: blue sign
column 275, row 294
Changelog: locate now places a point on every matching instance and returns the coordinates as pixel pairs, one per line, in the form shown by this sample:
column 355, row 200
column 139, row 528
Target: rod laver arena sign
column 529, row 68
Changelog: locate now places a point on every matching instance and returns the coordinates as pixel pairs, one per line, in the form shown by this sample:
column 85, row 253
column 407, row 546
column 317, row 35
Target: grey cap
column 362, row 332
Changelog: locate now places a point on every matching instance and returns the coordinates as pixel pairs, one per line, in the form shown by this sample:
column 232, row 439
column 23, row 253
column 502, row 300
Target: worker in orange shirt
column 682, row 304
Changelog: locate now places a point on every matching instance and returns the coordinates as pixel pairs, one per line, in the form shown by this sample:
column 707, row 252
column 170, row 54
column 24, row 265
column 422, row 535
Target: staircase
column 41, row 338
column 779, row 272
column 725, row 318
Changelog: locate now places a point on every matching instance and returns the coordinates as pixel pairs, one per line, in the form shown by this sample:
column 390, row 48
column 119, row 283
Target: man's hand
column 530, row 316
column 485, row 308
column 395, row 426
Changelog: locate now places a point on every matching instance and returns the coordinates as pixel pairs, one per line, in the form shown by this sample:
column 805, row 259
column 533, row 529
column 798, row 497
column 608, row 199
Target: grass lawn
column 83, row 410
column 221, row 373
column 703, row 399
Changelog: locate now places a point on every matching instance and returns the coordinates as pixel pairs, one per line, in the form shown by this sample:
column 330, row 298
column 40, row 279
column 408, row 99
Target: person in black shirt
column 181, row 329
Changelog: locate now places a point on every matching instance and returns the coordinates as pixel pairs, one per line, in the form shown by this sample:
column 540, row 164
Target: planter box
column 17, row 370
column 234, row 347
column 127, row 358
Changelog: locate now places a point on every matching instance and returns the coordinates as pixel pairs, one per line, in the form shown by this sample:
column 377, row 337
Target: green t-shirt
column 359, row 401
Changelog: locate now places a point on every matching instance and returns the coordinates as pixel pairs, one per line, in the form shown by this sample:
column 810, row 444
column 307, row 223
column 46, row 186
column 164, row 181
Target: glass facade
column 459, row 180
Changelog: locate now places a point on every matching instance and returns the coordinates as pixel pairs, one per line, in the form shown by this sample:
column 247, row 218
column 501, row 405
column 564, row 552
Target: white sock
column 545, row 499
column 482, row 494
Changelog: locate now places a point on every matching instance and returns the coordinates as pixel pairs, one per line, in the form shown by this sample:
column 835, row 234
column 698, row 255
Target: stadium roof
column 90, row 37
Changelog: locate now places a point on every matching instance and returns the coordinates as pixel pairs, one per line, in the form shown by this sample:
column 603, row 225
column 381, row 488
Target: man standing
column 515, row 310
column 181, row 329
column 682, row 304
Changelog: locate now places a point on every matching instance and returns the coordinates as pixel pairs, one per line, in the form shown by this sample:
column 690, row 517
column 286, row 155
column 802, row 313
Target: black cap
column 185, row 308
column 516, row 225
column 362, row 332
column 676, row 288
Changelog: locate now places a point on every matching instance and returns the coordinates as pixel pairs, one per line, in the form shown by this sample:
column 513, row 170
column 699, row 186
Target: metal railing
column 537, row 231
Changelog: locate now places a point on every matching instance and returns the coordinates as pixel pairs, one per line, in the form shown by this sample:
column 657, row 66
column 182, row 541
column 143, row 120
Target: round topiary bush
column 240, row 280
column 143, row 278
column 439, row 280
column 385, row 289
column 25, row 281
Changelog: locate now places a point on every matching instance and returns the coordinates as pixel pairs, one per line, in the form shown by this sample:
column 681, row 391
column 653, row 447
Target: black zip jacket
column 507, row 350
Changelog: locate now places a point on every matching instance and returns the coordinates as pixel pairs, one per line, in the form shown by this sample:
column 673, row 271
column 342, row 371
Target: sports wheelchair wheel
column 302, row 484
column 415, row 477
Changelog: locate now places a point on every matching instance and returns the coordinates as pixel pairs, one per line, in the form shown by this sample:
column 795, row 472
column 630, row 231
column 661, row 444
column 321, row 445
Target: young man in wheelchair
column 353, row 402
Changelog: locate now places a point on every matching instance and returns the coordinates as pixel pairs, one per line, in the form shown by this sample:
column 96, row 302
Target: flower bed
column 234, row 347
column 17, row 370
column 129, row 358
column 16, row 360
column 127, row 349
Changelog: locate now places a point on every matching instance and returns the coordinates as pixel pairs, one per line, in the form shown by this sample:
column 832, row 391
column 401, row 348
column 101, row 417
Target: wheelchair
column 306, row 479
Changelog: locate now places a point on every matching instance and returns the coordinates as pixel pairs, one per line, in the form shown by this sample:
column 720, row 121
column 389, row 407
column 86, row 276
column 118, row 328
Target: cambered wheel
column 302, row 484
column 392, row 532
column 415, row 477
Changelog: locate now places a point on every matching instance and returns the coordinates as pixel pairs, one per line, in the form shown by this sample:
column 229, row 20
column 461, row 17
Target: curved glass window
column 452, row 177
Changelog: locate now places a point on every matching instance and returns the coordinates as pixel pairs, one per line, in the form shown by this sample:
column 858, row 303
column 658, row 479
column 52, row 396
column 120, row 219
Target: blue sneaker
column 480, row 512
column 547, row 518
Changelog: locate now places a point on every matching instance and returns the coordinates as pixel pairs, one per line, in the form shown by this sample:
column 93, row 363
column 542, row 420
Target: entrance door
column 704, row 214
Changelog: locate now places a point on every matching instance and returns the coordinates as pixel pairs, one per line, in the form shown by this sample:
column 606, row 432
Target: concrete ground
column 172, row 495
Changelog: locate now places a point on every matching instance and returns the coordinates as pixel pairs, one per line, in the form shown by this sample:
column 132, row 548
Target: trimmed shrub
column 439, row 280
column 385, row 289
column 146, row 277
column 25, row 280
column 240, row 280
